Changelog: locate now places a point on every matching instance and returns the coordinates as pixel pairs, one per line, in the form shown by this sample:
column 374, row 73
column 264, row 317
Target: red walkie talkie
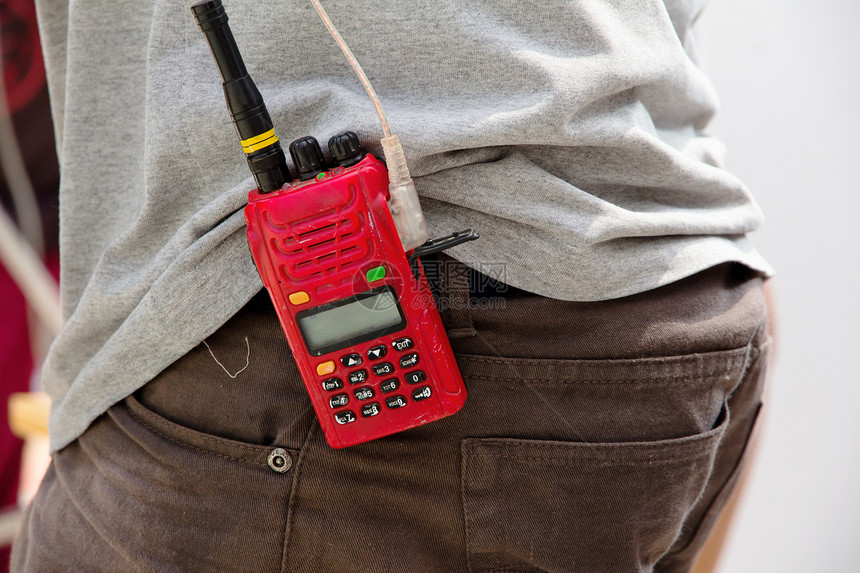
column 358, row 314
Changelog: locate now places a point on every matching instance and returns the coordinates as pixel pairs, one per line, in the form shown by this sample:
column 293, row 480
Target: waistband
column 243, row 384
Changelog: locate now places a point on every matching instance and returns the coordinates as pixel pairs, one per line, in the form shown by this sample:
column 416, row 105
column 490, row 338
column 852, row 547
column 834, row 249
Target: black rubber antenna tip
column 209, row 14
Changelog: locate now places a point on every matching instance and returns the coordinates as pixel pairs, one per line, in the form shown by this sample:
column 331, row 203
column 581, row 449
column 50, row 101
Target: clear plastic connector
column 404, row 204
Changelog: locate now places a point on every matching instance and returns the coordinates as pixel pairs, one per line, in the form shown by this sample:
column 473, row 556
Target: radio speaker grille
column 330, row 244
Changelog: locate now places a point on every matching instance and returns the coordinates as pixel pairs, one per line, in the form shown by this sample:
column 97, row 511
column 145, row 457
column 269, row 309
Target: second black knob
column 345, row 149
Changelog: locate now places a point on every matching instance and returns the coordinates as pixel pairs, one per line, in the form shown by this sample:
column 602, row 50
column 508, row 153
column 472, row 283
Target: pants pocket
column 610, row 506
column 140, row 492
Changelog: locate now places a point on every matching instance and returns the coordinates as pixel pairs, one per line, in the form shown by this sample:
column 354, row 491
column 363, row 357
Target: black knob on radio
column 345, row 149
column 307, row 157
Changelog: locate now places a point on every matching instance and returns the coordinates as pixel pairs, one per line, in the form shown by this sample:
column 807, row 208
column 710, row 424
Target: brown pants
column 597, row 437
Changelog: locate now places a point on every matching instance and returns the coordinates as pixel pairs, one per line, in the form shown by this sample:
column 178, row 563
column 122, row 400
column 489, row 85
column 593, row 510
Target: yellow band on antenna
column 259, row 142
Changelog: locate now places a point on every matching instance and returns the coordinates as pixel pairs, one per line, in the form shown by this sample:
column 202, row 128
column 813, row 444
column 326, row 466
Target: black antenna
column 253, row 124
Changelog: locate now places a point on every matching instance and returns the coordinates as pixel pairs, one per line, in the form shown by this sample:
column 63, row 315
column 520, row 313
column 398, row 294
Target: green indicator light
column 375, row 274
column 321, row 176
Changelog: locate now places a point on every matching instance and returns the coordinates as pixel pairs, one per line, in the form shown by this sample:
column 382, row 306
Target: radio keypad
column 385, row 386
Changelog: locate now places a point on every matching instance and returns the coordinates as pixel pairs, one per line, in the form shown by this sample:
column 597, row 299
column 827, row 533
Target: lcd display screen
column 360, row 318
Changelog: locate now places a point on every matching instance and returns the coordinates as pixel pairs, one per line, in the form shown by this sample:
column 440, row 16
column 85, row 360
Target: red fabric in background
column 23, row 66
column 16, row 371
column 16, row 365
column 24, row 78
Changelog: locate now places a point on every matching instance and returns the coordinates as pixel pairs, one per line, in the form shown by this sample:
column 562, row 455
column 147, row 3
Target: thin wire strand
column 15, row 172
column 31, row 276
column 224, row 368
column 355, row 65
column 21, row 251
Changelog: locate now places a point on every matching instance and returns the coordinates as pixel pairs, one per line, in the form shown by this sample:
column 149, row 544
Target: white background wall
column 788, row 73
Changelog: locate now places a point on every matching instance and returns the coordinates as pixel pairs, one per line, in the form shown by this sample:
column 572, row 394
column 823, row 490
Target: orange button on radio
column 325, row 368
column 300, row 297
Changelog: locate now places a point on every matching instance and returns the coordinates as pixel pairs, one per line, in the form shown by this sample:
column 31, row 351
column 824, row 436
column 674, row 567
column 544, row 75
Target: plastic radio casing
column 331, row 239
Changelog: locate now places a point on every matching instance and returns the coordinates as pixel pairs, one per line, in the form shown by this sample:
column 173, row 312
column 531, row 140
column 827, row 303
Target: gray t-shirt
column 567, row 133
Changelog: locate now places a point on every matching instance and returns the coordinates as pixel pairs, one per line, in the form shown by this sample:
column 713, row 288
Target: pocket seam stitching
column 605, row 461
column 715, row 354
column 654, row 381
column 466, row 519
column 293, row 499
column 192, row 432
column 197, row 448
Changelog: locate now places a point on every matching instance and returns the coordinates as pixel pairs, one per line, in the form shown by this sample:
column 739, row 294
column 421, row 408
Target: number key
column 383, row 369
column 395, row 402
column 358, row 376
column 389, row 385
column 364, row 393
column 332, row 384
column 415, row 377
column 370, row 410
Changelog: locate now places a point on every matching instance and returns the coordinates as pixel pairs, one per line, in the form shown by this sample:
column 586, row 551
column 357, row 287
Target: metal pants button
column 280, row 460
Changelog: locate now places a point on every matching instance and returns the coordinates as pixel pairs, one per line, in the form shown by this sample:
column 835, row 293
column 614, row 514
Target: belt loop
column 454, row 297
